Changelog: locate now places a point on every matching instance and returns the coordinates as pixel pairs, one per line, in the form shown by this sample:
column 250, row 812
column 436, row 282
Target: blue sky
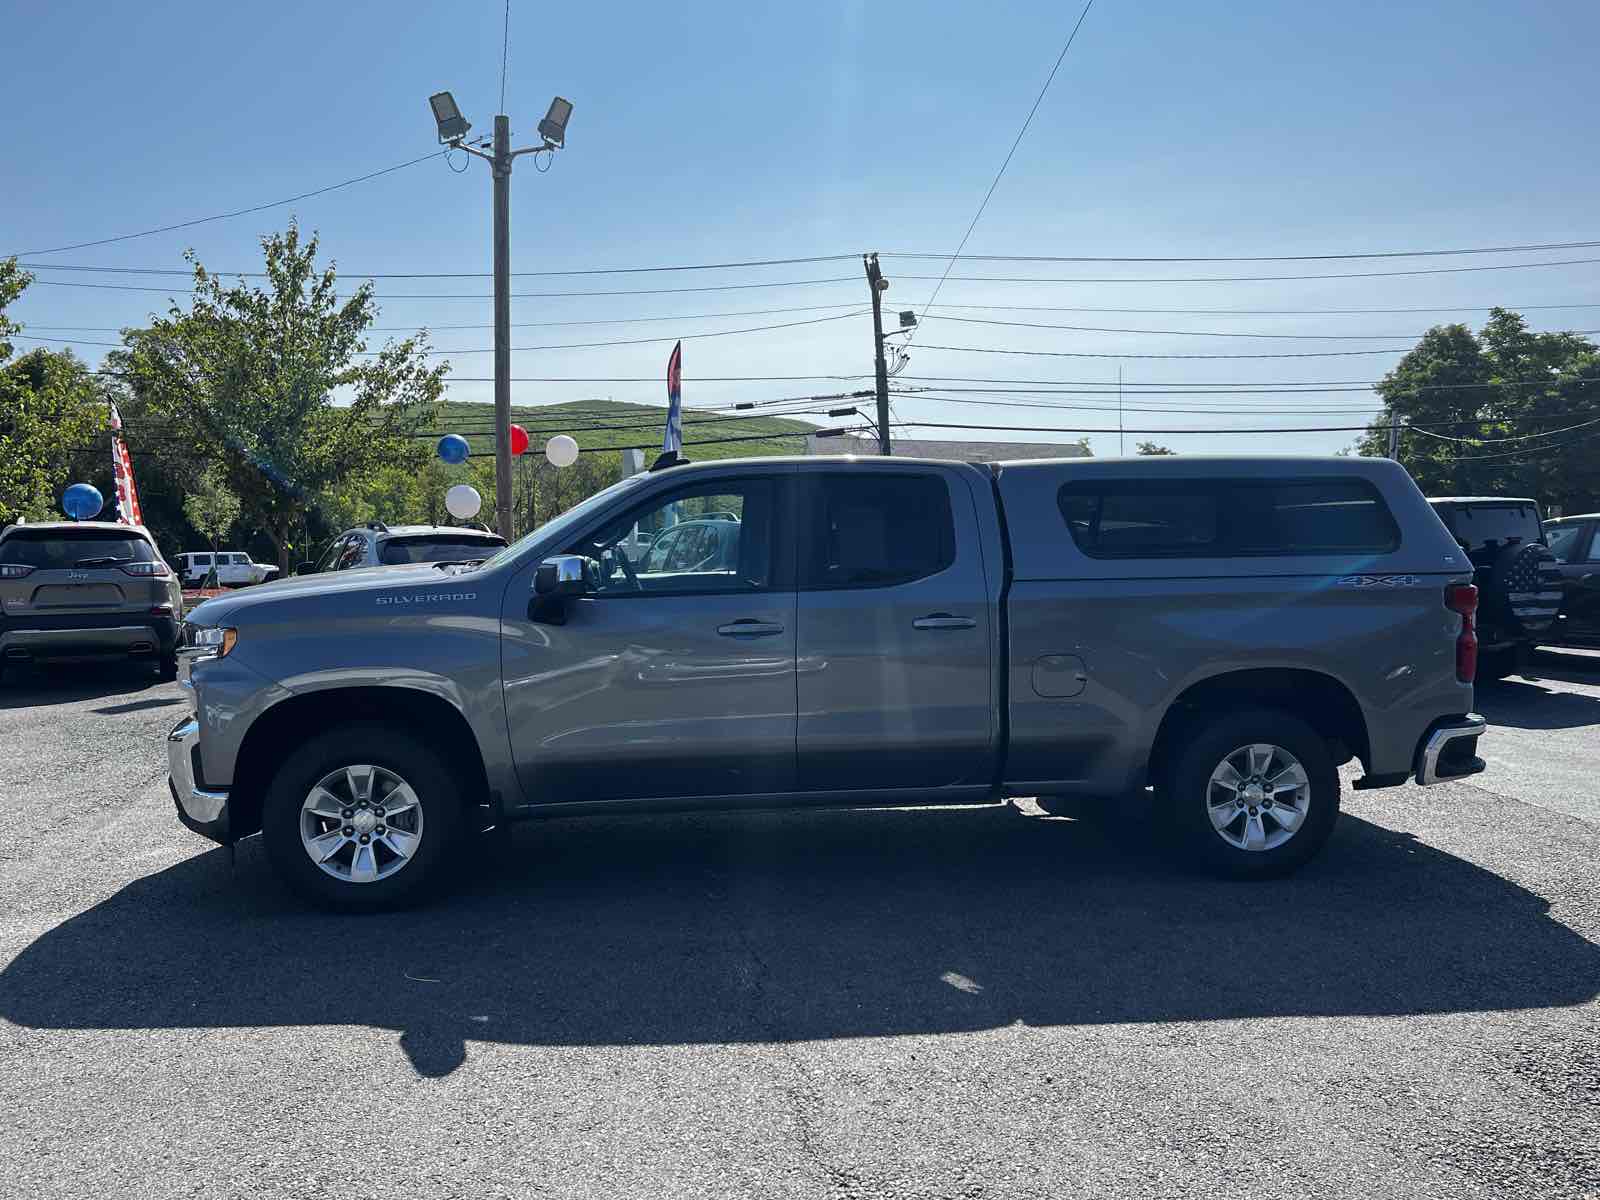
column 711, row 132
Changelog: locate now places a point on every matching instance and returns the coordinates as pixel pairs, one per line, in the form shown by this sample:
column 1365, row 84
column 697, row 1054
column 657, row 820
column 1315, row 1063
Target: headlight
column 218, row 640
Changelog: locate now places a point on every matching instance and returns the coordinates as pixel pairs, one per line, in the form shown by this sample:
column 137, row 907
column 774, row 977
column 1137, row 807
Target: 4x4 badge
column 1378, row 581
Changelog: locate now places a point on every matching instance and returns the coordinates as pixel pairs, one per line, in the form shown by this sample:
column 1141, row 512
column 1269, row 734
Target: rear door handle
column 750, row 627
column 943, row 621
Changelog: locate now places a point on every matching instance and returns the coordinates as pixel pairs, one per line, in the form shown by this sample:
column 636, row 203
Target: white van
column 234, row 569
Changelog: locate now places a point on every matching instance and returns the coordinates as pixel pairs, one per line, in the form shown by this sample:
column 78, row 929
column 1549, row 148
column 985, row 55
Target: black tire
column 1186, row 790
column 444, row 823
column 168, row 666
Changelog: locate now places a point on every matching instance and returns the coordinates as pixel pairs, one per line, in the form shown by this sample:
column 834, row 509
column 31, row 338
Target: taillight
column 1463, row 598
column 14, row 570
column 147, row 570
column 161, row 610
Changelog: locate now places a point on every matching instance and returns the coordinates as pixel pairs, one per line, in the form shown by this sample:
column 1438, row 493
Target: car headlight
column 217, row 639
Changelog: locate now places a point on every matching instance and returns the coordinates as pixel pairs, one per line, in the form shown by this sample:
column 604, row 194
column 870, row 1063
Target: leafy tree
column 1152, row 448
column 275, row 383
column 51, row 409
column 212, row 509
column 1493, row 412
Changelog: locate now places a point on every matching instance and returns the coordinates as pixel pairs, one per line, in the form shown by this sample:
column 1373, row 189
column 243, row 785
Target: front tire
column 363, row 818
column 1252, row 794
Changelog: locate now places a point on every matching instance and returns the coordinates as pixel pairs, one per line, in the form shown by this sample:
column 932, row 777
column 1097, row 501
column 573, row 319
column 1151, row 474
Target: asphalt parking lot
column 993, row 1002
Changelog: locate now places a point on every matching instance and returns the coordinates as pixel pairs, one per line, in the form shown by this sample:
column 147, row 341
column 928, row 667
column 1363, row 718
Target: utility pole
column 1394, row 434
column 453, row 129
column 877, row 285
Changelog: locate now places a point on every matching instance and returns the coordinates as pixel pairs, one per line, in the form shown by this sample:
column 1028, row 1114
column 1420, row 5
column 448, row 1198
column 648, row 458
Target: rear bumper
column 200, row 808
column 85, row 636
column 1449, row 750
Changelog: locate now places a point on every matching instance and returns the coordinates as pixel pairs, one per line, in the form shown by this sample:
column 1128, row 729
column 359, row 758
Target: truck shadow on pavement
column 29, row 686
column 795, row 926
column 1529, row 703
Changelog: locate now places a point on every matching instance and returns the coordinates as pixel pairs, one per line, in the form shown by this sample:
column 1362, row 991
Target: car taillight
column 146, row 570
column 161, row 610
column 14, row 570
column 1463, row 598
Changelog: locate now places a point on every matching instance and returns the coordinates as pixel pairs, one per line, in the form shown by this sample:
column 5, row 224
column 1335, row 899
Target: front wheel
column 1252, row 794
column 363, row 818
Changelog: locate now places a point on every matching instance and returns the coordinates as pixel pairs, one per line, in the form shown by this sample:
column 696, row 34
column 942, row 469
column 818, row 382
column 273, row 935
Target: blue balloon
column 453, row 448
column 82, row 502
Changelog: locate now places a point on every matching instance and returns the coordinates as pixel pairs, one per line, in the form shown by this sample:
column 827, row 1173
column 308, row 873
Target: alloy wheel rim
column 1258, row 797
column 361, row 824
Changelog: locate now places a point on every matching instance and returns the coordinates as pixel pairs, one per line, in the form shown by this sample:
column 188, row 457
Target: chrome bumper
column 1446, row 753
column 203, row 810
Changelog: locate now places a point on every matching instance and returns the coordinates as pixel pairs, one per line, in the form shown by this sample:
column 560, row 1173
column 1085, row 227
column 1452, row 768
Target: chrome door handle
column 750, row 628
column 943, row 621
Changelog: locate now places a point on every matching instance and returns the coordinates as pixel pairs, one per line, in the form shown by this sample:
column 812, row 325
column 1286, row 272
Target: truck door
column 1577, row 550
column 675, row 678
column 893, row 655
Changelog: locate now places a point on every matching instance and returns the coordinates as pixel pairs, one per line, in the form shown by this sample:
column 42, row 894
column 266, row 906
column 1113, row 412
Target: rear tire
column 1497, row 664
column 168, row 666
column 1222, row 787
column 396, row 793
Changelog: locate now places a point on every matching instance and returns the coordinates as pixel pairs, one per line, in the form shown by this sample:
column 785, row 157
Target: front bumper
column 1449, row 750
column 85, row 636
column 200, row 808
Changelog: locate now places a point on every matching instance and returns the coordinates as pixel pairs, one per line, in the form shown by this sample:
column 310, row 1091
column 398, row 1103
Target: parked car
column 1575, row 544
column 888, row 631
column 380, row 545
column 1519, row 584
column 234, row 568
column 86, row 589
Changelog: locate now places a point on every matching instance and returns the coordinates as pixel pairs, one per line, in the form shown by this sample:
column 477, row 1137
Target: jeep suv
column 378, row 545
column 86, row 589
column 1518, row 579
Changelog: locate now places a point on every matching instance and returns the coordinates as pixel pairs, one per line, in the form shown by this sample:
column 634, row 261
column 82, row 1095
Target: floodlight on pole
column 452, row 125
column 453, row 129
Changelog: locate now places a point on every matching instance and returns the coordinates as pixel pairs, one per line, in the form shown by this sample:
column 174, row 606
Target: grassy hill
column 593, row 423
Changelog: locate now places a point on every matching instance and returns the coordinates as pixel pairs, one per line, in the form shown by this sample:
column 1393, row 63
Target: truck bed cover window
column 1220, row 518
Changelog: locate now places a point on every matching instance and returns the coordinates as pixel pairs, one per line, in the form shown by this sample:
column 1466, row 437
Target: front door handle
column 943, row 621
column 750, row 627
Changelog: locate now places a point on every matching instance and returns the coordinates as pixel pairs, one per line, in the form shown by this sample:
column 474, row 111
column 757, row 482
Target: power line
column 1306, row 337
column 240, row 212
column 1526, row 248
column 484, row 296
column 1089, row 354
column 505, row 51
column 1564, row 262
column 995, row 182
column 83, row 268
column 1523, row 437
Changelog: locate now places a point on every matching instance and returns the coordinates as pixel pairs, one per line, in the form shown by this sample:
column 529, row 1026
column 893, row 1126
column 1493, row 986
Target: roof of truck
column 1481, row 500
column 431, row 530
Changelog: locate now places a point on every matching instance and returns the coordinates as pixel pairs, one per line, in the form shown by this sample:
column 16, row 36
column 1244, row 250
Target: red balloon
column 519, row 439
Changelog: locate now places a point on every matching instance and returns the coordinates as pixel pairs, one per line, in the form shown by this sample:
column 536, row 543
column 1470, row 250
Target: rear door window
column 1210, row 518
column 876, row 529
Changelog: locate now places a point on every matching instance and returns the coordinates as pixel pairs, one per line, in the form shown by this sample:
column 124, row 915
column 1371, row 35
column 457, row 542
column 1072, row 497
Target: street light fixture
column 452, row 125
column 453, row 129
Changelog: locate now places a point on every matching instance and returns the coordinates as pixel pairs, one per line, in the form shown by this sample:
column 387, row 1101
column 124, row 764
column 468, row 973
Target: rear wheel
column 1497, row 664
column 1253, row 794
column 363, row 818
column 168, row 666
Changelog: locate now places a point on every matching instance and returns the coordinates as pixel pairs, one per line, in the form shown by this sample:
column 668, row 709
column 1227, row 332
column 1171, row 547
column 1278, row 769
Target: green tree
column 1494, row 412
column 276, row 384
column 212, row 509
column 1152, row 448
column 51, row 409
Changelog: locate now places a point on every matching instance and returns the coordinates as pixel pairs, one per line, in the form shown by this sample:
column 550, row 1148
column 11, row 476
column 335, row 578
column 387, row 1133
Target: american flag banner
column 128, row 511
column 673, row 441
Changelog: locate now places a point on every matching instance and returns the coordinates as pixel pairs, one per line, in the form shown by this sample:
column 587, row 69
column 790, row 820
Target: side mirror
column 306, row 568
column 566, row 575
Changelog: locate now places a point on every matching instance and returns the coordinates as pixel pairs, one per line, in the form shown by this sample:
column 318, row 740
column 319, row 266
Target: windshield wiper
column 103, row 561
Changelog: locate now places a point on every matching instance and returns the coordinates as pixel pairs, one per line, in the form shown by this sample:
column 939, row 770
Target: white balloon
column 561, row 450
column 463, row 501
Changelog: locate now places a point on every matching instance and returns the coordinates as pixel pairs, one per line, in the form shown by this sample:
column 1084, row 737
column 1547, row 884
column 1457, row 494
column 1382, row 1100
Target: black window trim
column 782, row 568
column 809, row 501
column 1133, row 486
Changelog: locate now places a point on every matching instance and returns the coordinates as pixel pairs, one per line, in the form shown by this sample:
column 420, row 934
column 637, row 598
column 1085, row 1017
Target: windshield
column 426, row 549
column 59, row 549
column 573, row 517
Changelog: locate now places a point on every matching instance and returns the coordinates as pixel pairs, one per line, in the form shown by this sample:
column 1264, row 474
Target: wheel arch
column 423, row 715
column 1317, row 698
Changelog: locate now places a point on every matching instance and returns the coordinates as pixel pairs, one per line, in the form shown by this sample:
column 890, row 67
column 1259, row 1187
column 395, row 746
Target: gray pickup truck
column 874, row 631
